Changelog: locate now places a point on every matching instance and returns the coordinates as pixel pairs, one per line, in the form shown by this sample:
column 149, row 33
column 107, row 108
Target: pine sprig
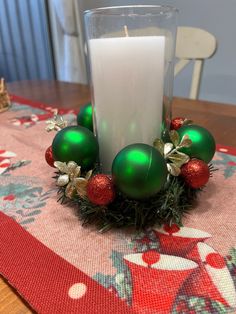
column 61, row 190
column 169, row 206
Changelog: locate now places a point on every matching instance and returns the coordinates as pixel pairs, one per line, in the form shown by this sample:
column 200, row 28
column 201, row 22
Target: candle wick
column 126, row 31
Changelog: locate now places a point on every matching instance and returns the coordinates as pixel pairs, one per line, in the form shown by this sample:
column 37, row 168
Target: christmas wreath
column 148, row 184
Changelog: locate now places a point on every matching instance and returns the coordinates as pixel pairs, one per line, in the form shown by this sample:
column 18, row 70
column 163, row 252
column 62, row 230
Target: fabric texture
column 59, row 266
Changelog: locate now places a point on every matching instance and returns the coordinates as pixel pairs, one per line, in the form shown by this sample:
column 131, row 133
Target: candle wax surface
column 127, row 77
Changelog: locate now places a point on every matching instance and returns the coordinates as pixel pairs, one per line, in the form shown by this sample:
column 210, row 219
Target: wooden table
column 220, row 119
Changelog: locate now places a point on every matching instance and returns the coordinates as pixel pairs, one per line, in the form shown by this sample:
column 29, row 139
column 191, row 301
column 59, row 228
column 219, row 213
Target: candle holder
column 131, row 52
column 152, row 167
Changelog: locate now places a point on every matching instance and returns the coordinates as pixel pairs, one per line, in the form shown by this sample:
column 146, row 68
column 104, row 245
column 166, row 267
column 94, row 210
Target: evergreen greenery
column 169, row 205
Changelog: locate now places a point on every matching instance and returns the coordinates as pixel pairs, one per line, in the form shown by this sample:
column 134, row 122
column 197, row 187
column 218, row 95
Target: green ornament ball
column 85, row 116
column 76, row 143
column 139, row 171
column 203, row 143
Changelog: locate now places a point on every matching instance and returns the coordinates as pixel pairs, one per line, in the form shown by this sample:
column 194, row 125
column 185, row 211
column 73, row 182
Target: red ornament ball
column 196, row 173
column 49, row 157
column 176, row 123
column 100, row 190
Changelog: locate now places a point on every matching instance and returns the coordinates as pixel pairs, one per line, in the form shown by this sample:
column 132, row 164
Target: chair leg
column 196, row 80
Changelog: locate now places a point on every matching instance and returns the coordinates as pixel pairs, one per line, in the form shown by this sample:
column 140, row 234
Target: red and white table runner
column 58, row 266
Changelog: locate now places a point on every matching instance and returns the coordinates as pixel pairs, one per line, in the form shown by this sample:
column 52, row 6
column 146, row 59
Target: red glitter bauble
column 150, row 257
column 196, row 173
column 176, row 123
column 100, row 190
column 49, row 157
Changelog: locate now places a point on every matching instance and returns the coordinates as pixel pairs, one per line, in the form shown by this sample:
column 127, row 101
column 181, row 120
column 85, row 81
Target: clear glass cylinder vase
column 131, row 59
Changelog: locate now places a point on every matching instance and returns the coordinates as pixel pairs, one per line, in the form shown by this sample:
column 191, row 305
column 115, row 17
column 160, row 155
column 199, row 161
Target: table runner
column 58, row 266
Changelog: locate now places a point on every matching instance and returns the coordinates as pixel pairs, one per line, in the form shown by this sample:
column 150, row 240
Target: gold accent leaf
column 159, row 145
column 56, row 123
column 187, row 122
column 174, row 136
column 185, row 141
column 61, row 166
column 63, row 180
column 70, row 190
column 81, row 187
column 173, row 169
column 179, row 159
column 89, row 174
column 168, row 148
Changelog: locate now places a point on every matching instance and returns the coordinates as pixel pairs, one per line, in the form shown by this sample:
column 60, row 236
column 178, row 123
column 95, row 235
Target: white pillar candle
column 127, row 77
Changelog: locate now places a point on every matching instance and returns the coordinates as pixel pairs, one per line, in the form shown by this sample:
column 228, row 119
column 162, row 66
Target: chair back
column 194, row 44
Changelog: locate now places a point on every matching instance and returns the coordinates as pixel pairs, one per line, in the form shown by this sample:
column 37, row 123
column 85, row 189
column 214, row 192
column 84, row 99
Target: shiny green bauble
column 203, row 143
column 85, row 116
column 76, row 143
column 139, row 171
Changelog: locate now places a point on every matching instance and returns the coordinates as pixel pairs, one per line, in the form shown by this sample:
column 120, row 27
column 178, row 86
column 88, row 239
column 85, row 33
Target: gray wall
column 216, row 16
column 25, row 50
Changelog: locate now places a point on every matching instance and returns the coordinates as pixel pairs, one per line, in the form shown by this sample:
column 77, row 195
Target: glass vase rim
column 117, row 10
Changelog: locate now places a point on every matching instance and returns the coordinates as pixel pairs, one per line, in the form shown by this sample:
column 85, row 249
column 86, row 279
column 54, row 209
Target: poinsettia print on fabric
column 5, row 160
column 20, row 197
column 6, row 164
column 21, row 201
column 173, row 270
column 227, row 163
column 32, row 115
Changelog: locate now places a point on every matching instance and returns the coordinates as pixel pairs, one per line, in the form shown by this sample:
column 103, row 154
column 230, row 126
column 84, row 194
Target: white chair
column 194, row 44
